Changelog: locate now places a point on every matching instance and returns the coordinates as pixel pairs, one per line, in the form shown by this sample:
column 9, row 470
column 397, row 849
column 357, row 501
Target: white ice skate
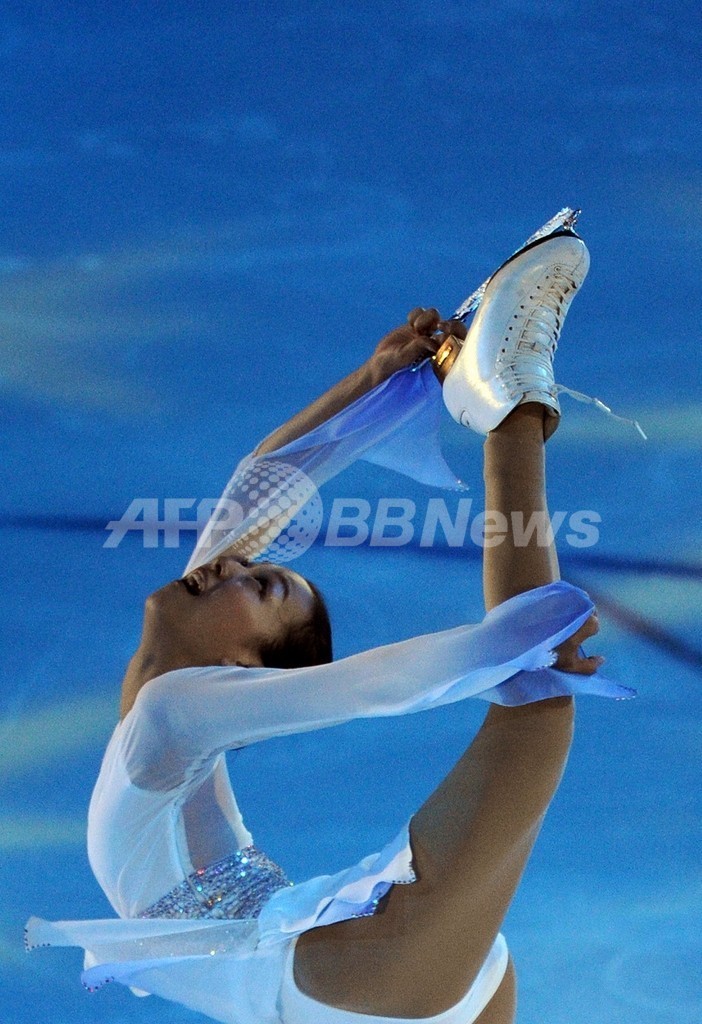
column 507, row 357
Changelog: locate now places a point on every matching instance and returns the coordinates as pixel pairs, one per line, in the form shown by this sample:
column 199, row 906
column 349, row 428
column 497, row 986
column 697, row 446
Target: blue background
column 211, row 213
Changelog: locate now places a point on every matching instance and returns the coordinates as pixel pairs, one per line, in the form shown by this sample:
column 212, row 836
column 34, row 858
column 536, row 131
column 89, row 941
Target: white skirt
column 241, row 971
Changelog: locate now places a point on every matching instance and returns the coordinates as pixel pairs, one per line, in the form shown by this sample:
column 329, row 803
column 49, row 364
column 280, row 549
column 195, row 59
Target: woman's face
column 226, row 611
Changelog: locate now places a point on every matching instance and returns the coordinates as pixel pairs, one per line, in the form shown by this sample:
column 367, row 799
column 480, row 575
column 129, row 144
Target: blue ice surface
column 211, row 215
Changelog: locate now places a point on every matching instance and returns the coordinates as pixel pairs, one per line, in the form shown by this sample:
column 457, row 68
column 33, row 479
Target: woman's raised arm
column 400, row 347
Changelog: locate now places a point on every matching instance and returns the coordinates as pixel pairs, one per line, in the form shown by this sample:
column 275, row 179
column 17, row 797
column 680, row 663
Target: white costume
column 204, row 918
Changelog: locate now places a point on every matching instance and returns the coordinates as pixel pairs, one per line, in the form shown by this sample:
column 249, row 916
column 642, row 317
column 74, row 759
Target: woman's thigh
column 407, row 961
column 378, row 982
column 421, row 952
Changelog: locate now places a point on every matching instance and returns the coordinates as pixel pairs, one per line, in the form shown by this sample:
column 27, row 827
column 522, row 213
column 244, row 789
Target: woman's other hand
column 571, row 658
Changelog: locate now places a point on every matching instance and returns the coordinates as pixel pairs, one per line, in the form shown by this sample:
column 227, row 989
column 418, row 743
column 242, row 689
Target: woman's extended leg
column 473, row 836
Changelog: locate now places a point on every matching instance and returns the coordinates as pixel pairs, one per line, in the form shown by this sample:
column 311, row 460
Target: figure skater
column 237, row 651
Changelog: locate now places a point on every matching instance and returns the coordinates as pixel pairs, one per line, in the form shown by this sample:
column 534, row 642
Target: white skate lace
column 547, row 319
column 580, row 397
column 529, row 365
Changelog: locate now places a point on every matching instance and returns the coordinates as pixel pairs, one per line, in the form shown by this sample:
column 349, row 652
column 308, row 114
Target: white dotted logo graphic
column 283, row 509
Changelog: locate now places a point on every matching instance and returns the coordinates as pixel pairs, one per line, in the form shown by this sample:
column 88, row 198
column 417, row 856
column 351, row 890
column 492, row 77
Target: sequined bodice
column 236, row 887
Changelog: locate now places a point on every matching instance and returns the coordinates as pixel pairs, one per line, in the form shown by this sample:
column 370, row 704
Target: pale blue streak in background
column 210, row 215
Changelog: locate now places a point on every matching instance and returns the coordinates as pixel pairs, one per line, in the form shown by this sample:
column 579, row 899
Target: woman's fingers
column 430, row 331
column 572, row 658
column 577, row 661
column 424, row 321
column 428, row 321
column 456, row 328
column 590, row 665
column 589, row 628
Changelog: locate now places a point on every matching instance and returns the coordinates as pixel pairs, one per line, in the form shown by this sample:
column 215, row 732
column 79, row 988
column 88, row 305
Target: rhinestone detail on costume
column 236, row 887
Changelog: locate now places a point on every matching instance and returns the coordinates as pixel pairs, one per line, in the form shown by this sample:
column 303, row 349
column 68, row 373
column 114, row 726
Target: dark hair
column 308, row 644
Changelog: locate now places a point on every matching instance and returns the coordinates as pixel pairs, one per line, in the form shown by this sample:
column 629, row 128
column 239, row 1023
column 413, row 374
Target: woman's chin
column 167, row 606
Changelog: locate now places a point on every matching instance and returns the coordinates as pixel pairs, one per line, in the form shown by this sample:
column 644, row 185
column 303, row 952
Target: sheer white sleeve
column 396, row 425
column 187, row 716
